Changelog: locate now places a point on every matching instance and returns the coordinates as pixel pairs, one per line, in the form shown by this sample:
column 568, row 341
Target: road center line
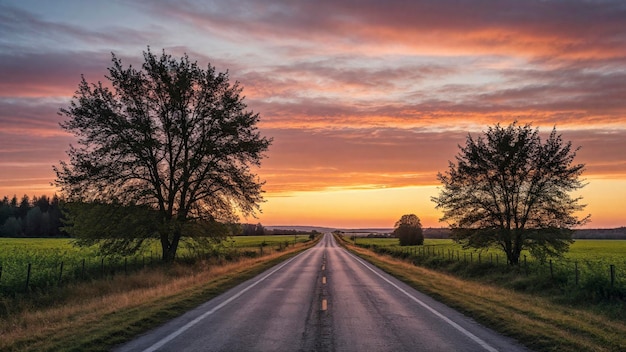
column 475, row 338
column 190, row 324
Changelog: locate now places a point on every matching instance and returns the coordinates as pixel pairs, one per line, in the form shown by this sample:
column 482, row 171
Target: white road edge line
column 475, row 338
column 187, row 326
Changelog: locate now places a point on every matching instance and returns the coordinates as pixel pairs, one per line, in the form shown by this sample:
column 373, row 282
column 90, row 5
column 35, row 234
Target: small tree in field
column 164, row 153
column 511, row 190
column 409, row 230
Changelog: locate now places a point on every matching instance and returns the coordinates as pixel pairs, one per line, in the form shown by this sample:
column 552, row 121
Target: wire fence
column 41, row 274
column 597, row 279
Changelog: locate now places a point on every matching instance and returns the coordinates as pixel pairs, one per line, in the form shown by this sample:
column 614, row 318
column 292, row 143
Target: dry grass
column 536, row 322
column 98, row 315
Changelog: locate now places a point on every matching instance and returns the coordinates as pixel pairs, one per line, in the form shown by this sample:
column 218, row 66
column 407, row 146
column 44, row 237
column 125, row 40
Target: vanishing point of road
column 324, row 299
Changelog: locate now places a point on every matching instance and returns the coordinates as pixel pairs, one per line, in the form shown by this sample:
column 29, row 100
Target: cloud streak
column 566, row 29
column 358, row 95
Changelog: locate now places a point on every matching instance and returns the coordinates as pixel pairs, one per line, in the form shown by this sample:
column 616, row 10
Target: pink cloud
column 571, row 29
column 305, row 160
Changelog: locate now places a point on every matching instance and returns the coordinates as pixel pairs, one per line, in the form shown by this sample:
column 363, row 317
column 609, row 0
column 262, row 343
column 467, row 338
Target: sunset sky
column 366, row 100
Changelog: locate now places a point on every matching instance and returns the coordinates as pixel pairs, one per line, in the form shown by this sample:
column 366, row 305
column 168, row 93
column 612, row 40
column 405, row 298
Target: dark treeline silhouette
column 259, row 230
column 252, row 230
column 31, row 217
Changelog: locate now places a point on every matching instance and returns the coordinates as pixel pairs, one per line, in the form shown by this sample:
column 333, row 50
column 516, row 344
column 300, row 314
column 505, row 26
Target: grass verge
column 99, row 315
column 536, row 322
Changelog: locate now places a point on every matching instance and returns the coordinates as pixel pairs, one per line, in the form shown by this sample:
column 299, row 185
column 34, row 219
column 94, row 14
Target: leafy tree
column 11, row 228
column 13, row 202
column 33, row 223
column 511, row 190
column 247, row 229
column 24, row 207
column 259, row 230
column 171, row 137
column 42, row 202
column 116, row 228
column 56, row 217
column 6, row 211
column 409, row 230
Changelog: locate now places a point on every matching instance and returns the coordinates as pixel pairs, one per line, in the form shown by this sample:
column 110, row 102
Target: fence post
column 28, row 277
column 551, row 271
column 60, row 274
column 83, row 269
column 576, row 271
column 478, row 258
column 525, row 265
column 102, row 266
column 472, row 257
column 612, row 267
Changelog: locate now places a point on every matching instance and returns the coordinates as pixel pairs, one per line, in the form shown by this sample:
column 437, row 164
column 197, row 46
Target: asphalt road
column 324, row 299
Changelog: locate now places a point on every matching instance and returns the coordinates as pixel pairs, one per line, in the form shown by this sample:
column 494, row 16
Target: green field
column 592, row 270
column 54, row 261
column 613, row 251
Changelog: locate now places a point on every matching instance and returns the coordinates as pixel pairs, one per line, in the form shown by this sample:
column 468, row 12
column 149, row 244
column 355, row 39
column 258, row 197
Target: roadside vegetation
column 592, row 274
column 99, row 313
column 532, row 309
column 35, row 266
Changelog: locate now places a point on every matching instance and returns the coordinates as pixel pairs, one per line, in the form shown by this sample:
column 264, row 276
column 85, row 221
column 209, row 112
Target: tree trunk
column 169, row 248
column 513, row 258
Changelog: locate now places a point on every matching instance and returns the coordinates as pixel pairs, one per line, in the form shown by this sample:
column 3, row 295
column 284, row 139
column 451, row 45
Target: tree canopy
column 170, row 142
column 511, row 190
column 31, row 217
column 409, row 230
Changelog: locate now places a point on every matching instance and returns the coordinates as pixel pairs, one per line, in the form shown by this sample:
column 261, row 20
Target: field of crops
column 592, row 269
column 613, row 251
column 28, row 264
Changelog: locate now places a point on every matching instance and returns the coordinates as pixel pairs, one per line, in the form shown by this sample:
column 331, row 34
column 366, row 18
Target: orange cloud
column 370, row 158
column 570, row 30
column 363, row 99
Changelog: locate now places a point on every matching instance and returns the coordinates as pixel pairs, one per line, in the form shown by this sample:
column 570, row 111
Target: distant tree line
column 31, row 217
column 42, row 216
column 252, row 230
column 259, row 230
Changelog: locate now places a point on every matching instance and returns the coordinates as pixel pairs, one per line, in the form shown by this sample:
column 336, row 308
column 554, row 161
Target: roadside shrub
column 249, row 254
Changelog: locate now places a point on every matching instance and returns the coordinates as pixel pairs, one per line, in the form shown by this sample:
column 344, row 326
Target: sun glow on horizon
column 351, row 207
column 365, row 103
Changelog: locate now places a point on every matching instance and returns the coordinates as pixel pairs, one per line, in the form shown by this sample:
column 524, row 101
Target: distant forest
column 31, row 217
column 42, row 217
